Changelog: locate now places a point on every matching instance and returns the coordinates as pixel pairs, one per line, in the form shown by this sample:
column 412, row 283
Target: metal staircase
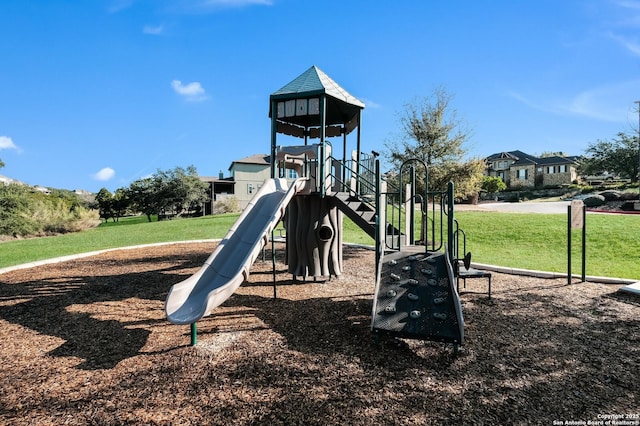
column 356, row 193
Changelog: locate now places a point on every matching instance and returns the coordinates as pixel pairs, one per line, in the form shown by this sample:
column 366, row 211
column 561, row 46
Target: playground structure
column 311, row 187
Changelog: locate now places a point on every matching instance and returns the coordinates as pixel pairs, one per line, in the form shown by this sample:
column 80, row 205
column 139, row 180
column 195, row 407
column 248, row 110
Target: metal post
column 412, row 205
column 569, row 244
column 194, row 334
column 584, row 243
column 638, row 104
column 273, row 263
column 274, row 131
column 379, row 235
column 450, row 221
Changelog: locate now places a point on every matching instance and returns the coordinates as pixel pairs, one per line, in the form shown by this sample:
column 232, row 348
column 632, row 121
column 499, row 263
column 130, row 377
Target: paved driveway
column 526, row 207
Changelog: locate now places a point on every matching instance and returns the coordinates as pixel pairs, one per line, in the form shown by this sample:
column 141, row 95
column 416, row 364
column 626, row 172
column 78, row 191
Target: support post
column 273, row 264
column 450, row 221
column 412, row 205
column 577, row 216
column 194, row 334
column 380, row 218
column 584, row 244
column 274, row 132
column 569, row 244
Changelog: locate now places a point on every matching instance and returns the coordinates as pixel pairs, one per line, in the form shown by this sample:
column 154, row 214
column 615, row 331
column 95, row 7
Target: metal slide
column 228, row 266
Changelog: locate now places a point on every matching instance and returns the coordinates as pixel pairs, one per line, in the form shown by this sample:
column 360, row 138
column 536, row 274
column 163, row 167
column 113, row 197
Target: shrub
column 594, row 201
column 611, row 195
column 15, row 206
column 24, row 213
column 226, row 205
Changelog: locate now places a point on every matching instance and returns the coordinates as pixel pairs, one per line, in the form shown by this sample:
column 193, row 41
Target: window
column 563, row 168
column 522, row 174
column 292, row 174
column 551, row 170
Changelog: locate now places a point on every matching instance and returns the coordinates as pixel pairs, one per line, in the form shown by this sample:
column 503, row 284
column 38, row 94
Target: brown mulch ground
column 87, row 342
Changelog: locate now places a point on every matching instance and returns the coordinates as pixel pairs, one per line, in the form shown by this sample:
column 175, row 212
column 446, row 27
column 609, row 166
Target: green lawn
column 539, row 241
column 529, row 241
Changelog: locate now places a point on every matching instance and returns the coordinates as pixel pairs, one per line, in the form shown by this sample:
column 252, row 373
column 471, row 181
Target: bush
column 611, row 195
column 24, row 213
column 594, row 201
column 15, row 205
column 226, row 205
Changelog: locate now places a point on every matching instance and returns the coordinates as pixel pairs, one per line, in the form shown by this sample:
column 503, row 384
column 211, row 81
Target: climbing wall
column 416, row 298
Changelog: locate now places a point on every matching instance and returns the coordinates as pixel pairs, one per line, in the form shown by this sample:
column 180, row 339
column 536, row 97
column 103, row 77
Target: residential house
column 521, row 170
column 219, row 187
column 249, row 174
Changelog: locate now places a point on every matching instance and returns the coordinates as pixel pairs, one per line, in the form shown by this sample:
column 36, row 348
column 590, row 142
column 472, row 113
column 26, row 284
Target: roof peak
column 314, row 81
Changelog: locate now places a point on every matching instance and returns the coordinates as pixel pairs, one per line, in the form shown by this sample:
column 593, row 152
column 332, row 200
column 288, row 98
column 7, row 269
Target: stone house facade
column 521, row 170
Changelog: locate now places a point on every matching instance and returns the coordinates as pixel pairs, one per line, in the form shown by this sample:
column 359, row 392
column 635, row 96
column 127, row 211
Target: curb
column 494, row 268
column 94, row 253
column 544, row 274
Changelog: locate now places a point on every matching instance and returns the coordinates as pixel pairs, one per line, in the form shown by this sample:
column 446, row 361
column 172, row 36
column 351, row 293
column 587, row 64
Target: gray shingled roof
column 342, row 107
column 259, row 159
column 314, row 82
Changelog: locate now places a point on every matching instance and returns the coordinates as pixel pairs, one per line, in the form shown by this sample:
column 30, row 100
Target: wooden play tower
column 415, row 294
column 313, row 107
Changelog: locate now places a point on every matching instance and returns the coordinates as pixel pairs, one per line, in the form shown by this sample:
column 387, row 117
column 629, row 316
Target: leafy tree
column 121, row 203
column 181, row 190
column 145, row 196
column 493, row 184
column 432, row 133
column 1, row 164
column 618, row 156
column 104, row 198
column 15, row 207
column 174, row 192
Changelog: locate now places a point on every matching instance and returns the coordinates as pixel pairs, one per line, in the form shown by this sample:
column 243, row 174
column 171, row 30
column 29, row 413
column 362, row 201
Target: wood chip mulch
column 86, row 342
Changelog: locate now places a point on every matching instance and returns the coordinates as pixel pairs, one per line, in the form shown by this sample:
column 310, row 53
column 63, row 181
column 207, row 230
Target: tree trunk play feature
column 314, row 237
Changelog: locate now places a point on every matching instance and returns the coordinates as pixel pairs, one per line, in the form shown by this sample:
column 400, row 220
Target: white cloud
column 632, row 46
column 628, row 4
column 119, row 5
column 235, row 3
column 611, row 102
column 209, row 6
column 193, row 91
column 105, row 174
column 151, row 30
column 7, row 143
column 368, row 103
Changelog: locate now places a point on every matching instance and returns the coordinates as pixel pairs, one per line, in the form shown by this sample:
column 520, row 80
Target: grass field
column 529, row 241
column 539, row 241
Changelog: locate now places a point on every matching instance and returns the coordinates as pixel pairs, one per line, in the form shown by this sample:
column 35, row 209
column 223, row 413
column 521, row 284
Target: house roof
column 522, row 158
column 215, row 179
column 342, row 107
column 259, row 159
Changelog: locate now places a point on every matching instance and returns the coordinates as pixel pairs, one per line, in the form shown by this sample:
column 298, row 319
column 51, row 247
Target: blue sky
column 100, row 93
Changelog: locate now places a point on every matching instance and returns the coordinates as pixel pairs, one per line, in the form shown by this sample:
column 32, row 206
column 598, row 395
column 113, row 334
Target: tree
column 168, row 192
column 121, row 203
column 618, row 156
column 144, row 197
column 104, row 199
column 16, row 211
column 493, row 184
column 432, row 133
column 183, row 189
